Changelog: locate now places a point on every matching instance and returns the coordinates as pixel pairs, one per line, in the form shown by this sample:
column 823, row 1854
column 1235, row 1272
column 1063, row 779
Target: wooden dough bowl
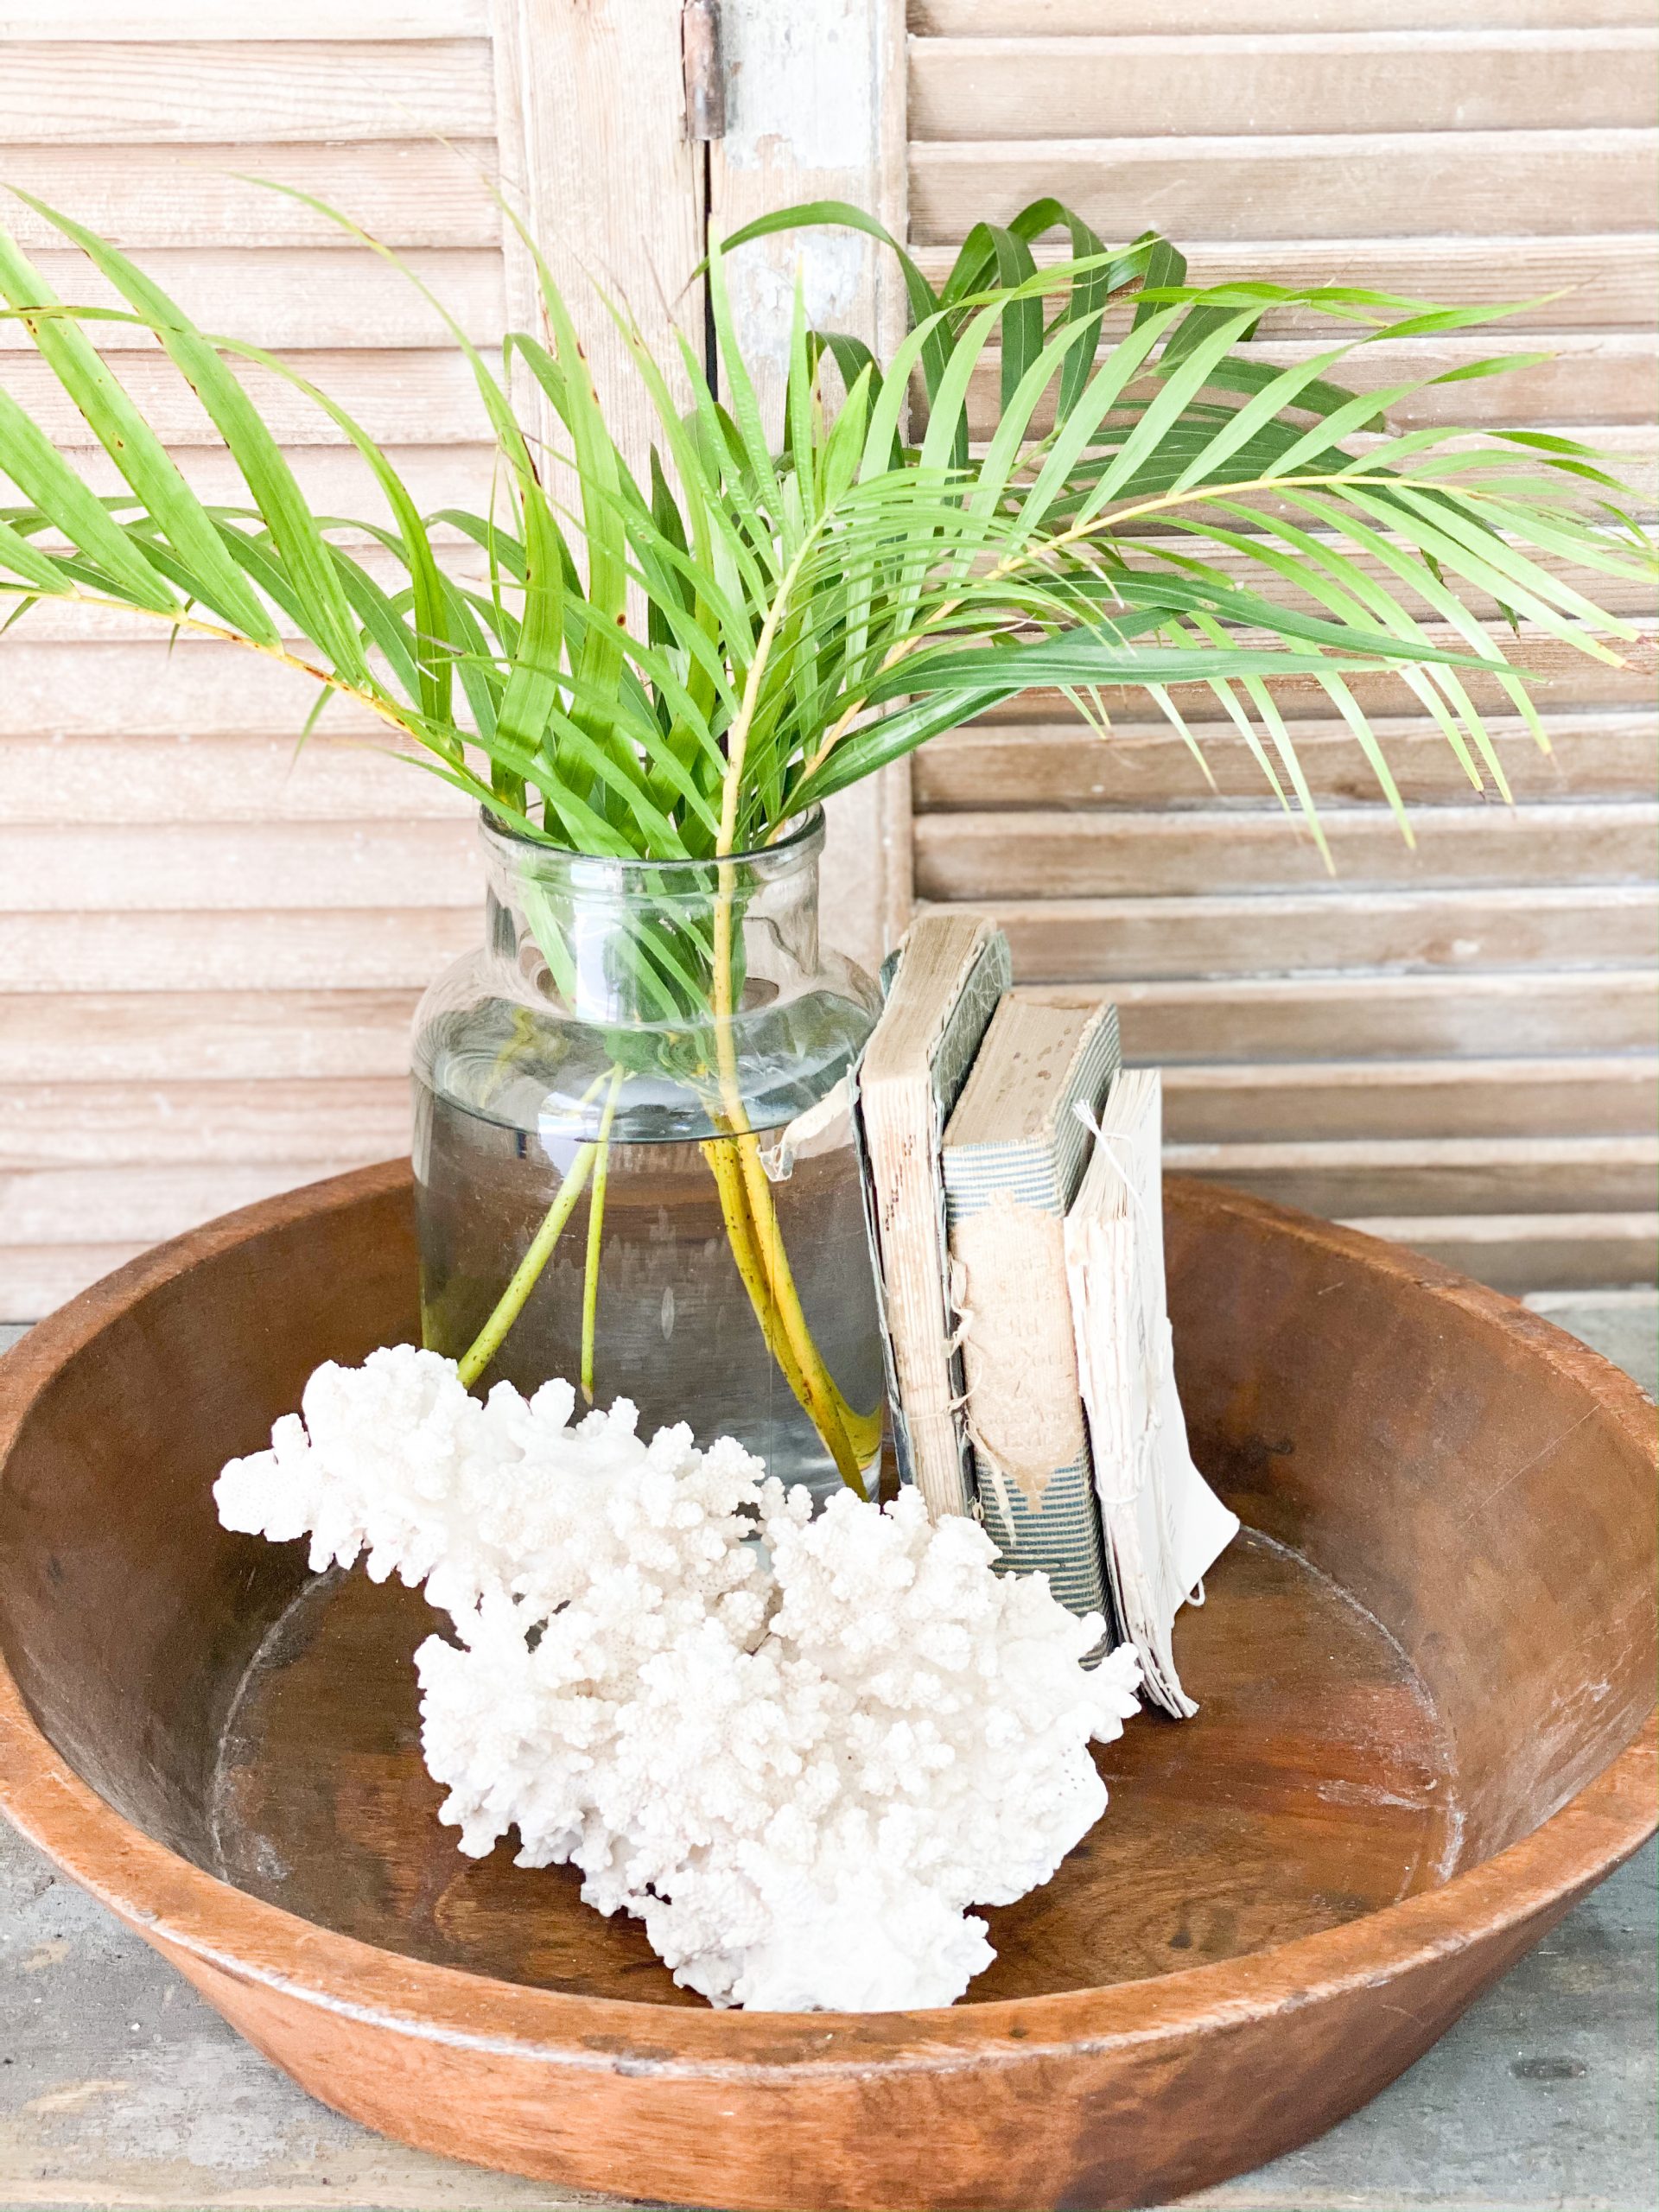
column 1426, row 1674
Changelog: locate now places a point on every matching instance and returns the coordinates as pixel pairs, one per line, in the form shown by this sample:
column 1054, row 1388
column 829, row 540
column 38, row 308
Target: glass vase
column 632, row 1167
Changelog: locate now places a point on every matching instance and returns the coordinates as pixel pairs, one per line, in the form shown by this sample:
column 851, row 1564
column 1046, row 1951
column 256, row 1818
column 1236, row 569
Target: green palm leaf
column 819, row 595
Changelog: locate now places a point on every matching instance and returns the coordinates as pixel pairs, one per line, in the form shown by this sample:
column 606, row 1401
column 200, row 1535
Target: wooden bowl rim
column 179, row 1906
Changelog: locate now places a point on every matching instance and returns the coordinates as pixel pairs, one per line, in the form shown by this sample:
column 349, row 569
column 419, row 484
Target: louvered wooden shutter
column 206, row 988
column 211, row 951
column 1455, row 1047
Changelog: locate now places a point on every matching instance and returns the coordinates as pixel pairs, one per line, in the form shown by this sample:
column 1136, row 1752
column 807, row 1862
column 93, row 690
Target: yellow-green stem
column 740, row 1235
column 485, row 1344
column 595, row 1233
column 815, row 1389
column 511, row 1304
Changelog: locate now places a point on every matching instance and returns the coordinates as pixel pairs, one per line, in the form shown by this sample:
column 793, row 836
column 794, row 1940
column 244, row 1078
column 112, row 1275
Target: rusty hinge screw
column 705, row 79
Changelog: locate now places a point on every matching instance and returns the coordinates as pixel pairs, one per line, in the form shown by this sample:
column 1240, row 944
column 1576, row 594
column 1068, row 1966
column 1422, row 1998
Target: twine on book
column 986, row 1463
column 964, row 1314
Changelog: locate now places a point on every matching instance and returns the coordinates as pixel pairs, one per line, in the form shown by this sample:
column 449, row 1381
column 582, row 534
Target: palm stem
column 525, row 1276
column 851, row 1439
column 595, row 1233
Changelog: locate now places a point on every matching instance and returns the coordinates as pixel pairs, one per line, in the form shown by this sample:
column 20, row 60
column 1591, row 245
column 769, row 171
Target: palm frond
column 1156, row 510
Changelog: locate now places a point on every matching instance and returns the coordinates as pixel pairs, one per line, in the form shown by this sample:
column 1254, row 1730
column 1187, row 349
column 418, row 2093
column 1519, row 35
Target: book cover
column 1013, row 1155
column 1163, row 1526
column 942, row 988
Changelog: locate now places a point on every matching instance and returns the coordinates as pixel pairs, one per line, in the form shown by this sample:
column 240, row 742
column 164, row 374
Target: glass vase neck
column 654, row 943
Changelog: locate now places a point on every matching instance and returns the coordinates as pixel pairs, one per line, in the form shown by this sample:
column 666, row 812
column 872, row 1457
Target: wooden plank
column 214, row 866
column 202, row 688
column 150, row 1037
column 1565, row 681
column 1422, row 184
column 143, row 1204
column 1630, row 449
column 167, row 20
column 1215, row 83
column 44, row 779
column 1061, row 18
column 206, row 689
column 1436, row 1175
column 71, row 621
column 1589, row 376
column 84, row 1205
column 48, row 1125
column 987, row 765
column 408, row 191
column 816, row 110
column 1043, row 854
column 1632, row 597
column 1381, row 1017
column 370, row 948
column 180, row 1124
column 1527, row 1252
column 418, row 396
column 282, row 297
column 1612, row 1095
column 1609, row 282
column 330, row 948
column 36, row 1279
column 618, row 200
column 334, row 478
column 285, row 92
column 1260, row 933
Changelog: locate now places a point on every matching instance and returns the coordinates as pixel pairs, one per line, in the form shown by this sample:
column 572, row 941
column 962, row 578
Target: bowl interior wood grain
column 1437, row 1628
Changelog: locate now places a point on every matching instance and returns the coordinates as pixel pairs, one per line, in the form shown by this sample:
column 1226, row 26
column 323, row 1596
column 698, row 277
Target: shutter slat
column 1230, row 84
column 1037, row 854
column 1612, row 1096
column 1268, row 18
column 409, row 192
column 1613, row 277
column 210, row 867
column 329, row 947
column 117, row 1036
column 1068, row 764
column 178, row 1123
column 419, row 398
column 1426, row 183
column 1450, row 1175
column 1074, row 940
column 1589, row 376
column 164, row 20
column 1358, row 1015
column 288, row 92
column 291, row 296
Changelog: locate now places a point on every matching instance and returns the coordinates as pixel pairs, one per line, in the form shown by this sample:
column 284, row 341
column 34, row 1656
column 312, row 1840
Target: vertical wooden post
column 597, row 151
column 814, row 110
column 591, row 121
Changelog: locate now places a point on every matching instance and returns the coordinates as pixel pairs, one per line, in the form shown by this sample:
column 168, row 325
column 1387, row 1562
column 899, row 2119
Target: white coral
column 799, row 1749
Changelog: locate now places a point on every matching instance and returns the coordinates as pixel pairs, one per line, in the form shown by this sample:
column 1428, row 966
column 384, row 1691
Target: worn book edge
column 1163, row 1526
column 898, row 1122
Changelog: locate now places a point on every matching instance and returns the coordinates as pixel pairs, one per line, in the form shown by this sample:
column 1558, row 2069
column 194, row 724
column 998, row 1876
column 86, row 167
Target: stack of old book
column 1011, row 1171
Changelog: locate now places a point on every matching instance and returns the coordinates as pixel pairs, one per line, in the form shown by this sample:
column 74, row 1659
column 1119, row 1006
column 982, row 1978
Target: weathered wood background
column 211, row 950
column 1457, row 1045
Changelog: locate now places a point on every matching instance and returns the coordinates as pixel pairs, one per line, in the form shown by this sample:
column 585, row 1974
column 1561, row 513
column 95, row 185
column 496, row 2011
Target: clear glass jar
column 600, row 1092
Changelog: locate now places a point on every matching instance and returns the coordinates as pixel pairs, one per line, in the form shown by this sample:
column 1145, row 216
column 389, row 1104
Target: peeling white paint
column 797, row 74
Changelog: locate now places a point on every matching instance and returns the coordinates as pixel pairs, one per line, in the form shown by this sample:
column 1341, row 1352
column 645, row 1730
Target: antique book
column 1014, row 1154
column 1164, row 1527
column 943, row 988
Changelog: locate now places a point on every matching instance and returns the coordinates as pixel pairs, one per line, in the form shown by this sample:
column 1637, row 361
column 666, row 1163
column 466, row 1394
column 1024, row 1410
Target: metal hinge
column 705, row 77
